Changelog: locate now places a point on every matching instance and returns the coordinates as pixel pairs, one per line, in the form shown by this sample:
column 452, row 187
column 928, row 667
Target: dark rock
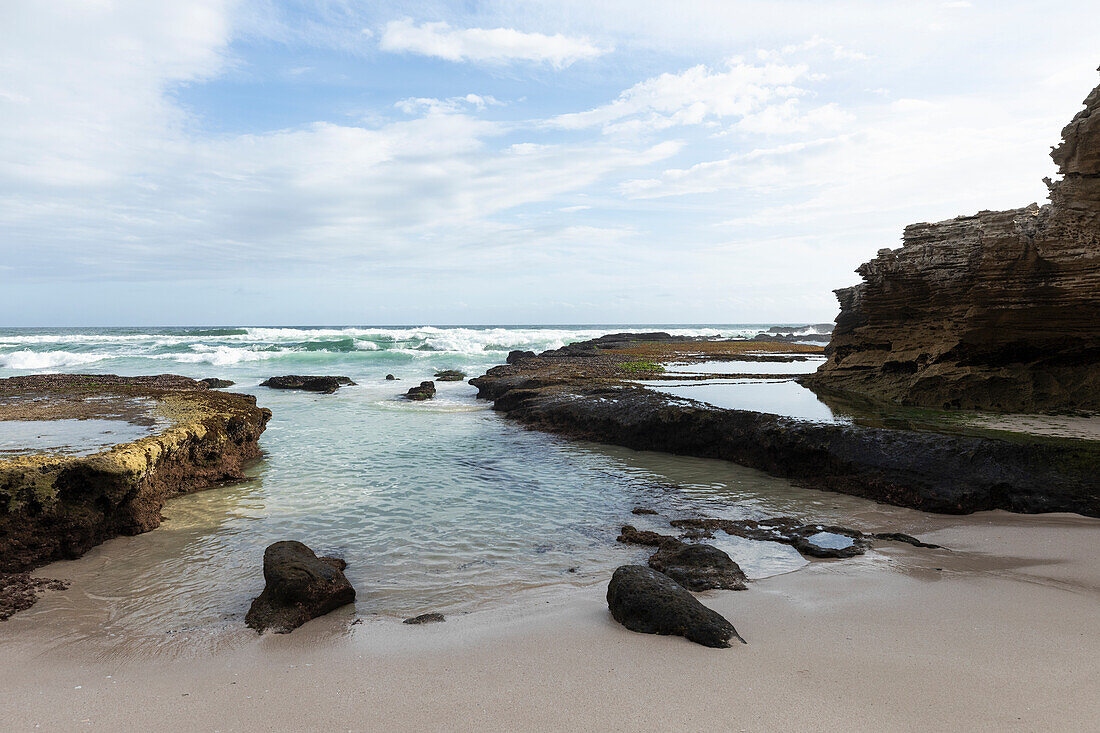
column 930, row 471
column 995, row 311
column 450, row 375
column 518, row 356
column 300, row 586
column 642, row 510
column 390, row 377
column 698, row 567
column 632, row 536
column 649, row 602
column 215, row 383
column 426, row 618
column 907, row 539
column 324, row 385
column 425, row 391
column 814, row 540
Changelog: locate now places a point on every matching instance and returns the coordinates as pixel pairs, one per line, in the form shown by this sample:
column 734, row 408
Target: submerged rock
column 324, row 385
column 20, row 591
column 698, row 567
column 390, row 377
column 649, row 602
column 642, row 510
column 633, row 536
column 425, row 391
column 215, row 383
column 450, row 375
column 300, row 586
column 426, row 618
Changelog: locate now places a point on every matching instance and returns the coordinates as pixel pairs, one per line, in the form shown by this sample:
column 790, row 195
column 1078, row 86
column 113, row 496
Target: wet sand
column 999, row 633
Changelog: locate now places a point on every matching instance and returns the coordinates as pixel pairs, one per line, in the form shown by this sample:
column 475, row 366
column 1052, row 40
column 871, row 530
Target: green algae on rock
column 55, row 506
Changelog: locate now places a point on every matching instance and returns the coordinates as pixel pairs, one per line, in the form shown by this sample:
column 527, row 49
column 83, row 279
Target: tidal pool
column 808, row 366
column 68, row 436
column 774, row 396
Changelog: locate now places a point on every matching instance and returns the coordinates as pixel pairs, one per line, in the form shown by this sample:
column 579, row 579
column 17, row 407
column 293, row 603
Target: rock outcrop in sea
column 322, row 384
column 998, row 311
column 424, row 391
column 55, row 505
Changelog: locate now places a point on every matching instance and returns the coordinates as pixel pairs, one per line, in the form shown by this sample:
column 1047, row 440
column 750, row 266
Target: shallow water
column 808, row 366
column 436, row 506
column 70, row 437
column 776, row 396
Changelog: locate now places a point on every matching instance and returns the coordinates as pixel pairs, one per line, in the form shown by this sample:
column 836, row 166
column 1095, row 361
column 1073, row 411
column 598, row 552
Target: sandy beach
column 996, row 633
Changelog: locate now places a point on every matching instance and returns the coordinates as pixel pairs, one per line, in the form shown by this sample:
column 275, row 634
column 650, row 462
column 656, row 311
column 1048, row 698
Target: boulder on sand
column 324, row 385
column 300, row 586
column 649, row 602
column 697, row 566
column 425, row 391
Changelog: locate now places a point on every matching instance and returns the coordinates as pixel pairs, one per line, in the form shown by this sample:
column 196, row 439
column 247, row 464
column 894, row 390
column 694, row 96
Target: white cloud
column 815, row 43
column 691, row 97
column 419, row 105
column 491, row 45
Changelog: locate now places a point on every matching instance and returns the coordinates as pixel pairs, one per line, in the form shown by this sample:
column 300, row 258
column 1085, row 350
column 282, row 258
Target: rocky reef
column 56, row 504
column 586, row 391
column 322, row 384
column 995, row 311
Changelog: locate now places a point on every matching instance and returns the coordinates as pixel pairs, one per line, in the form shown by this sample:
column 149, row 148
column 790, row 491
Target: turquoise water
column 436, row 506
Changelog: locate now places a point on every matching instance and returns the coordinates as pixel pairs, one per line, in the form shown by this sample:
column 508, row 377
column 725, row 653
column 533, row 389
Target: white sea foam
column 220, row 355
column 47, row 359
column 42, row 351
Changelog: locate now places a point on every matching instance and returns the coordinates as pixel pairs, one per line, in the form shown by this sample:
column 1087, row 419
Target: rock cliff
column 998, row 311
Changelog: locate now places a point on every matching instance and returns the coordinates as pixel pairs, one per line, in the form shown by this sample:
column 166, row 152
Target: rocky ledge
column 997, row 311
column 56, row 503
column 585, row 391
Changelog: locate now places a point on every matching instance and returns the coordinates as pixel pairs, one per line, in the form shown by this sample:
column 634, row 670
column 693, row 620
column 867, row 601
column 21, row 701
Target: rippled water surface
column 70, row 437
column 436, row 506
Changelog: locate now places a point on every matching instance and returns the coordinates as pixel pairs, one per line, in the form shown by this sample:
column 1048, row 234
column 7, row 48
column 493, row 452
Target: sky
column 509, row 162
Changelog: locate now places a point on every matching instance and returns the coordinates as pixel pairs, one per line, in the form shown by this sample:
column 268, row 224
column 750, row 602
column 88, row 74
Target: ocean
column 437, row 506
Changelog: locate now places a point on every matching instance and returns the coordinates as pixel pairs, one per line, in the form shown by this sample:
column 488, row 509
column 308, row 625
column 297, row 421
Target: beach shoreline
column 996, row 633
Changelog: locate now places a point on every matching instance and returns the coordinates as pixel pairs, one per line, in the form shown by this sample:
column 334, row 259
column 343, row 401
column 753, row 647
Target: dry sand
column 1000, row 633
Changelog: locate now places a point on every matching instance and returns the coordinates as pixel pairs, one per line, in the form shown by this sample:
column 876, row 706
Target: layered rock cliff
column 997, row 311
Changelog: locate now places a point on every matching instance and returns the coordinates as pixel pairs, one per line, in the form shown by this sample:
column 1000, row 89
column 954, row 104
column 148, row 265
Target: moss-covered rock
column 55, row 506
